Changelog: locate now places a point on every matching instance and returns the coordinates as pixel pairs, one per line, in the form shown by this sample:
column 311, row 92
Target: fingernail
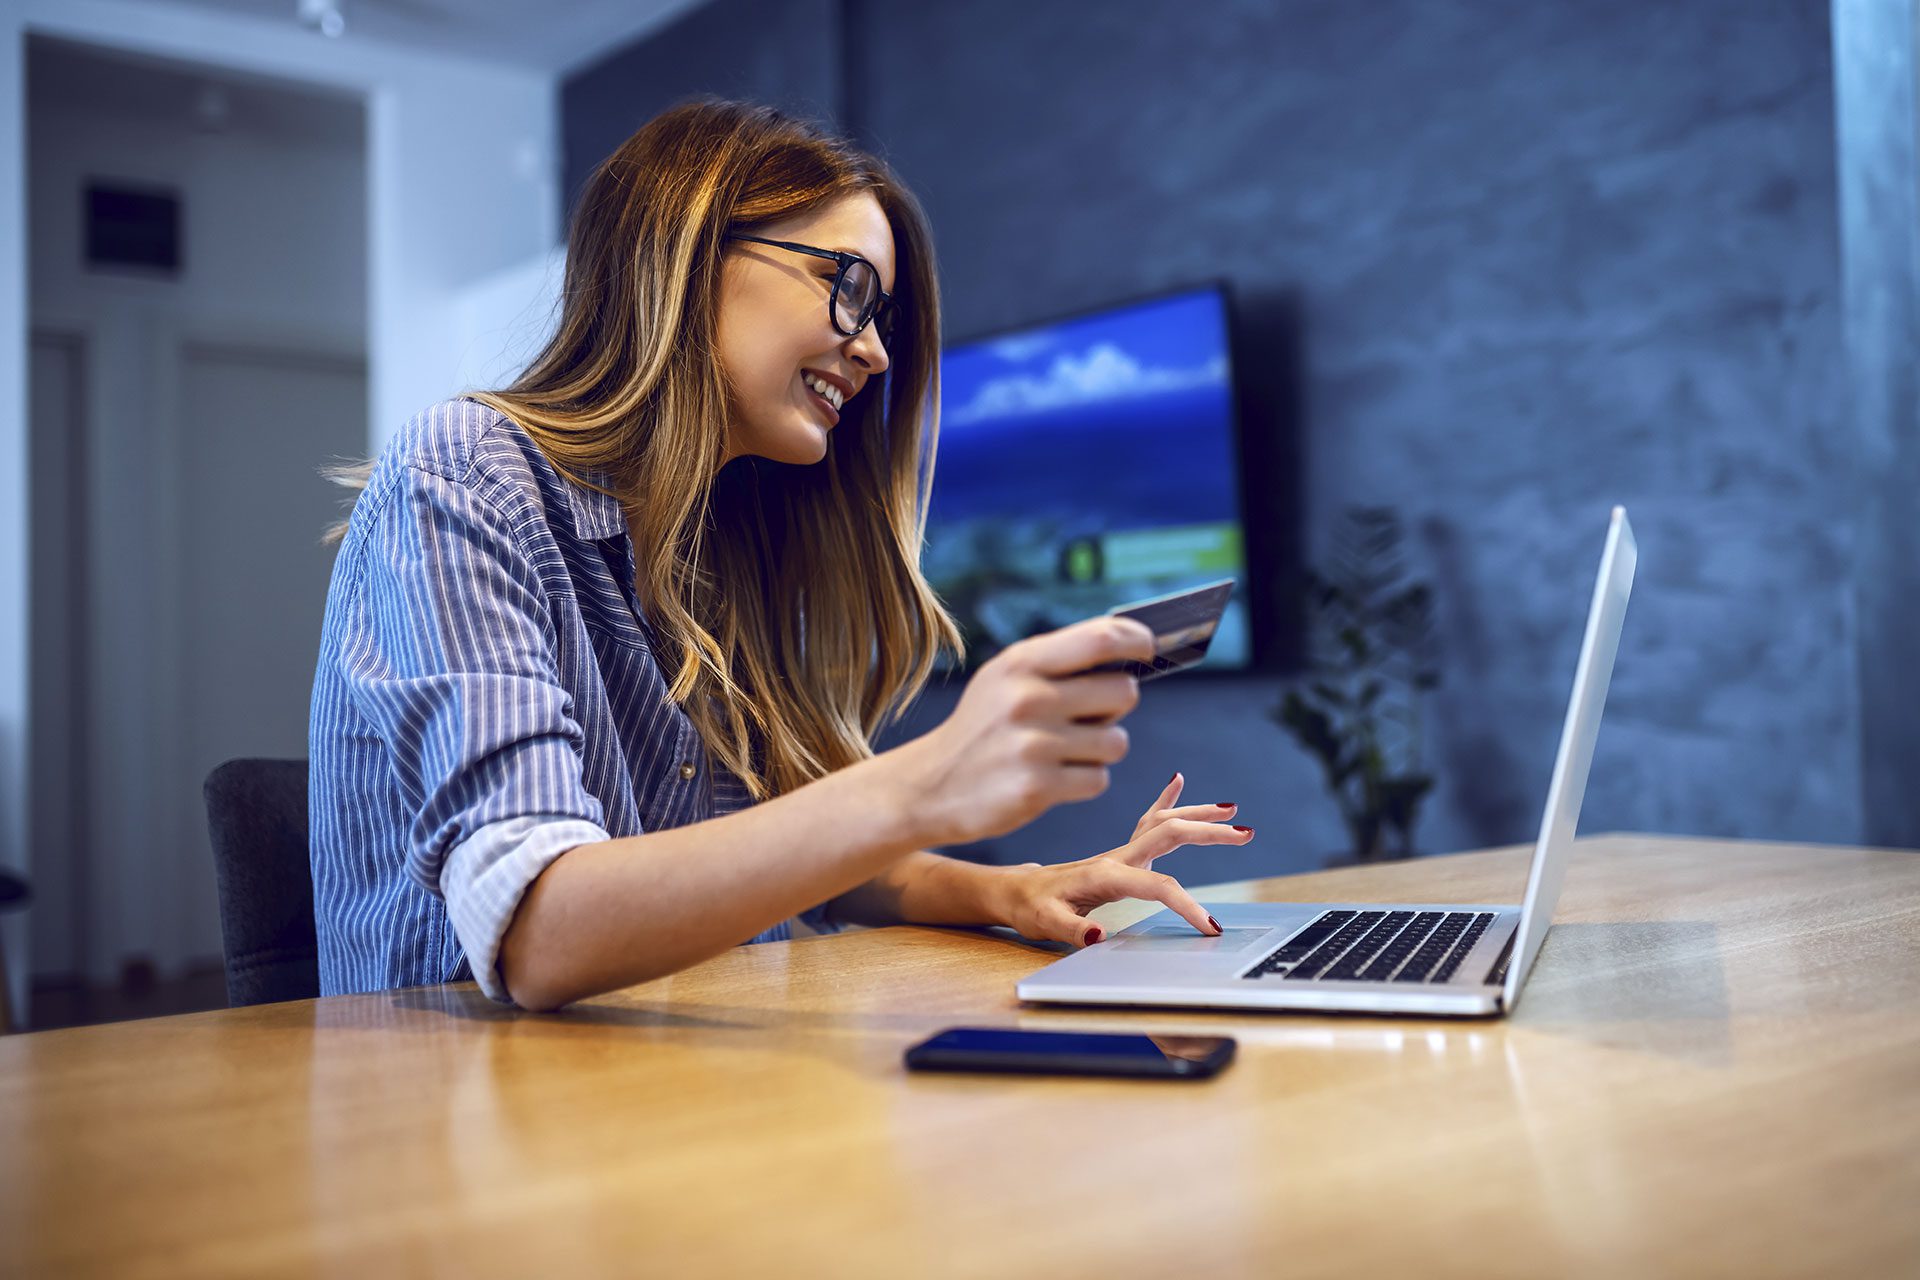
column 1215, row 924
column 1094, row 935
column 1248, row 830
column 1226, row 804
column 1175, row 778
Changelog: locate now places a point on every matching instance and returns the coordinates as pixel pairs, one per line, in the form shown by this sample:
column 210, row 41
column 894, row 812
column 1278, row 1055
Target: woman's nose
column 866, row 348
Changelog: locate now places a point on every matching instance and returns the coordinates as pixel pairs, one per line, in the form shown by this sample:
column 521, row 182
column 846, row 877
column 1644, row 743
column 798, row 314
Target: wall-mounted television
column 1089, row 462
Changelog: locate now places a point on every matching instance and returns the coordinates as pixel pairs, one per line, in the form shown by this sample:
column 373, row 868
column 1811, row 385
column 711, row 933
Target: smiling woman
column 754, row 345
column 579, row 627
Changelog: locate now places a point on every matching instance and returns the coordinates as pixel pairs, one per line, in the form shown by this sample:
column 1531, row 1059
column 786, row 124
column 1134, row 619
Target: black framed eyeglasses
column 857, row 298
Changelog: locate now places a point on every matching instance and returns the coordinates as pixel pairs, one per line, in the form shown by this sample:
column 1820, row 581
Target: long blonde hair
column 793, row 618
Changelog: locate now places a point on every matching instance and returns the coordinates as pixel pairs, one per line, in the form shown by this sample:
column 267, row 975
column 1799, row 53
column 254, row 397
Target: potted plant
column 1370, row 660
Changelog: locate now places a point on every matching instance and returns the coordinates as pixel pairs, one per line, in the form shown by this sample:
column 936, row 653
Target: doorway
column 181, row 418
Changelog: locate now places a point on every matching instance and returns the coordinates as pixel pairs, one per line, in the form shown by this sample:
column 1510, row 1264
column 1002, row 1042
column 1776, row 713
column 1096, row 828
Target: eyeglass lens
column 857, row 296
column 859, row 290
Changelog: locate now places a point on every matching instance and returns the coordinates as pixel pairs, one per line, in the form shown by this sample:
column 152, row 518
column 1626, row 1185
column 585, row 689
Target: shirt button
column 687, row 770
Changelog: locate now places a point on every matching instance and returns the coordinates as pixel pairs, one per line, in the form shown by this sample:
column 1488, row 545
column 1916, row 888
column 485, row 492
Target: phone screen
column 1070, row 1053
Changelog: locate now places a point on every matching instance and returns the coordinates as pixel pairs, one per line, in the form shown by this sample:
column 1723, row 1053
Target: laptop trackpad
column 1181, row 937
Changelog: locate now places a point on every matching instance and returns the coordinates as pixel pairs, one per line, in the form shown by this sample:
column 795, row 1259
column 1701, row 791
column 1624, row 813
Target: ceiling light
column 323, row 16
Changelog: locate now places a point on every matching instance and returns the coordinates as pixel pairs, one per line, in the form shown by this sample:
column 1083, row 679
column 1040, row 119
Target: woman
column 604, row 650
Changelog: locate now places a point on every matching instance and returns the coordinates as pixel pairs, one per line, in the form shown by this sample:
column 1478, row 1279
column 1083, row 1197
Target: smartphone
column 1070, row 1053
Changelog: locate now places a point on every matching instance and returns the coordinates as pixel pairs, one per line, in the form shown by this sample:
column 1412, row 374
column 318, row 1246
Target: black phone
column 1074, row 1053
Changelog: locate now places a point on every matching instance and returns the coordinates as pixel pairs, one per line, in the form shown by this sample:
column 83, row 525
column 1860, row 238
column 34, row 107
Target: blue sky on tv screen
column 1121, row 420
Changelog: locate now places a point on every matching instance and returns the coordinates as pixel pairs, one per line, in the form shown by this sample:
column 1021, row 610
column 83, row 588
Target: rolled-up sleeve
column 490, row 871
column 454, row 665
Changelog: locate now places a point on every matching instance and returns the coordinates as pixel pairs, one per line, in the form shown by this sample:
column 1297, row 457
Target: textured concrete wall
column 780, row 52
column 1518, row 262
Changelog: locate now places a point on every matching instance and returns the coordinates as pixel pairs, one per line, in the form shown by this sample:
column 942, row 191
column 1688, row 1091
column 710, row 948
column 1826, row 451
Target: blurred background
column 1470, row 272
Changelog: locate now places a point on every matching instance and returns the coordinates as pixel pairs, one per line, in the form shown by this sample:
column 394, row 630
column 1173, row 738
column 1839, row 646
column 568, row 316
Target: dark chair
column 13, row 893
column 257, row 816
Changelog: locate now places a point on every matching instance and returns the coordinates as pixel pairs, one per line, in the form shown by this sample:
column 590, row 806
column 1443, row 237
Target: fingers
column 1178, row 833
column 1060, row 924
column 1099, row 880
column 1137, row 882
column 1163, row 810
column 1192, row 812
column 1080, row 782
column 1197, row 813
column 1174, row 832
column 1084, row 644
column 1097, row 698
column 1159, row 808
column 1092, row 744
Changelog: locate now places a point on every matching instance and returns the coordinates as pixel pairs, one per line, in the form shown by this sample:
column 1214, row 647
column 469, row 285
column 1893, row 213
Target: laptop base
column 1160, row 962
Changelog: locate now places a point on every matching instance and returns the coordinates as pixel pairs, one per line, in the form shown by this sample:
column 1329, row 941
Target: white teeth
column 832, row 393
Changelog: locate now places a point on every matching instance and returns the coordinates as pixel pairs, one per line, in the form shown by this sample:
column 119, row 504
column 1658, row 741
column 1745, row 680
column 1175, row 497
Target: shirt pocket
column 610, row 621
column 599, row 580
column 659, row 744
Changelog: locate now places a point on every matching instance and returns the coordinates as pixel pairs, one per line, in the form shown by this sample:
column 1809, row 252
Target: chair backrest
column 257, row 816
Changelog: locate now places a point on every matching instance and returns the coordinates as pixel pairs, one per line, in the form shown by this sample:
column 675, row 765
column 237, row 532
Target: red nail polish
column 1215, row 924
column 1175, row 778
column 1094, row 935
column 1226, row 804
column 1248, row 830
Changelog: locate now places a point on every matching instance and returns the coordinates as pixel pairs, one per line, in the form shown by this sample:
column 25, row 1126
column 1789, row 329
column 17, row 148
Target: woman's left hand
column 1051, row 902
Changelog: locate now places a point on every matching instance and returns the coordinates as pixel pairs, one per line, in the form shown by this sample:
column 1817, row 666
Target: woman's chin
column 800, row 440
column 811, row 445
column 804, row 447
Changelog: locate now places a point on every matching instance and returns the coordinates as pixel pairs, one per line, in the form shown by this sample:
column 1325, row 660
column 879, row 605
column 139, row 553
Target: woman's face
column 776, row 335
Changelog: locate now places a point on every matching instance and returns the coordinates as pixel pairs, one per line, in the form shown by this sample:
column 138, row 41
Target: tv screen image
column 1086, row 464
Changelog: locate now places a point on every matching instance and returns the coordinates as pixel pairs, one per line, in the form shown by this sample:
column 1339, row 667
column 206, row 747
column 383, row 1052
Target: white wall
column 465, row 187
column 461, row 187
column 462, row 179
column 501, row 322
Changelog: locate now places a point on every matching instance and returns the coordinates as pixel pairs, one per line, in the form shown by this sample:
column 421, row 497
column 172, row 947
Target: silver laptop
column 1418, row 958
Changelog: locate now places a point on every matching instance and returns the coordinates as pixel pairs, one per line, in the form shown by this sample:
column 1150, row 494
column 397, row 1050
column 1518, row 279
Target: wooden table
column 1715, row 1069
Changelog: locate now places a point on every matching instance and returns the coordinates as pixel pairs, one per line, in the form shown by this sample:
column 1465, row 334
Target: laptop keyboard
column 1377, row 946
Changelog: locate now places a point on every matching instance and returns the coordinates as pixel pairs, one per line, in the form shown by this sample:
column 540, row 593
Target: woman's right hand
column 1031, row 730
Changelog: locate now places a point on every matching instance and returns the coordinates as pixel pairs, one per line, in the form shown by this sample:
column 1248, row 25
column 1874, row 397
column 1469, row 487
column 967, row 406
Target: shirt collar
column 596, row 516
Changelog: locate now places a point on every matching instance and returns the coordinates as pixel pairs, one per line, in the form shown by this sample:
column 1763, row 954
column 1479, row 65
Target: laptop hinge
column 1497, row 976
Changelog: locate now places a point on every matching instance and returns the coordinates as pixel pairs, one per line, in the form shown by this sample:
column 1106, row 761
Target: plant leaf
column 1311, row 727
column 1330, row 694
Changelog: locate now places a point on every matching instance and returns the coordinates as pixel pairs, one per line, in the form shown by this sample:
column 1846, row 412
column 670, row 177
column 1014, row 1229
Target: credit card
column 1183, row 624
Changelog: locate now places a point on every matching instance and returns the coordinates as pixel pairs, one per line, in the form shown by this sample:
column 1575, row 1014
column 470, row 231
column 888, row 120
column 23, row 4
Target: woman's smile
column 825, row 405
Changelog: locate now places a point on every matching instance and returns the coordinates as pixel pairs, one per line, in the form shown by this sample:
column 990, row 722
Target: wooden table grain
column 1714, row 1070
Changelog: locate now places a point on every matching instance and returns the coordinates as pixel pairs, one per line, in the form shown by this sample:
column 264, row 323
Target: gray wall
column 781, row 52
column 1528, row 261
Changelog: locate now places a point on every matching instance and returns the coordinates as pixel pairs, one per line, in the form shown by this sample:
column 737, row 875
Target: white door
column 255, row 428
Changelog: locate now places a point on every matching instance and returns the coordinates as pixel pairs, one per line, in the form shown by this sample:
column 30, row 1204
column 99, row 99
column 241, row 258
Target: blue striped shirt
column 486, row 698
